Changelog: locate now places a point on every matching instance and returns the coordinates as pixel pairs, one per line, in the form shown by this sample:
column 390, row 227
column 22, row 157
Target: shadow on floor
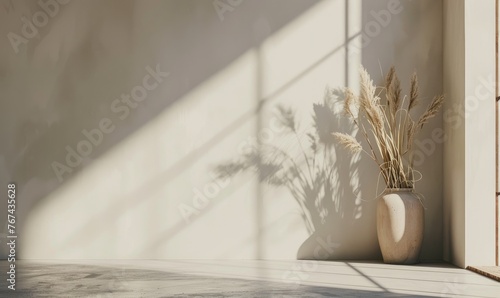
column 63, row 280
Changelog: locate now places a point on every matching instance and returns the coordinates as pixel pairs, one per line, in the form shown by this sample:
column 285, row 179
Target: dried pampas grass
column 348, row 141
column 387, row 126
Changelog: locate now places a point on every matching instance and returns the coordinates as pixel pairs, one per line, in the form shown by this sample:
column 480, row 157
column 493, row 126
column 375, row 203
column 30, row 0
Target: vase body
column 400, row 226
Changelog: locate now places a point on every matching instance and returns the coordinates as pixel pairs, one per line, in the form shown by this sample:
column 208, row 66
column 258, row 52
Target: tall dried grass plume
column 387, row 125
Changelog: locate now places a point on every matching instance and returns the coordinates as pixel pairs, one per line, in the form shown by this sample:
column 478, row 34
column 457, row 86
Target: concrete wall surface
column 114, row 115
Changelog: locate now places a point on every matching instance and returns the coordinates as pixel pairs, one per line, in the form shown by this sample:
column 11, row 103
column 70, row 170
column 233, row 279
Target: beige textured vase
column 400, row 226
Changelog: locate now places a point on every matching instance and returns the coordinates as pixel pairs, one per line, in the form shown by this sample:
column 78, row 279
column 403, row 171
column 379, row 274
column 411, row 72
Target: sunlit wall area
column 120, row 116
column 469, row 185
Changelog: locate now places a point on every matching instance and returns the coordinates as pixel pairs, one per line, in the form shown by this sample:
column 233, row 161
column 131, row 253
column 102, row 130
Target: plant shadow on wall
column 312, row 167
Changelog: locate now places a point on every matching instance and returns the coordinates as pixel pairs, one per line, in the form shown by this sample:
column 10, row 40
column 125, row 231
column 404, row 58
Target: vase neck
column 399, row 189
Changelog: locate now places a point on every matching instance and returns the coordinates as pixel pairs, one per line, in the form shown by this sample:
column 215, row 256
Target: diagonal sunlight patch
column 125, row 204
